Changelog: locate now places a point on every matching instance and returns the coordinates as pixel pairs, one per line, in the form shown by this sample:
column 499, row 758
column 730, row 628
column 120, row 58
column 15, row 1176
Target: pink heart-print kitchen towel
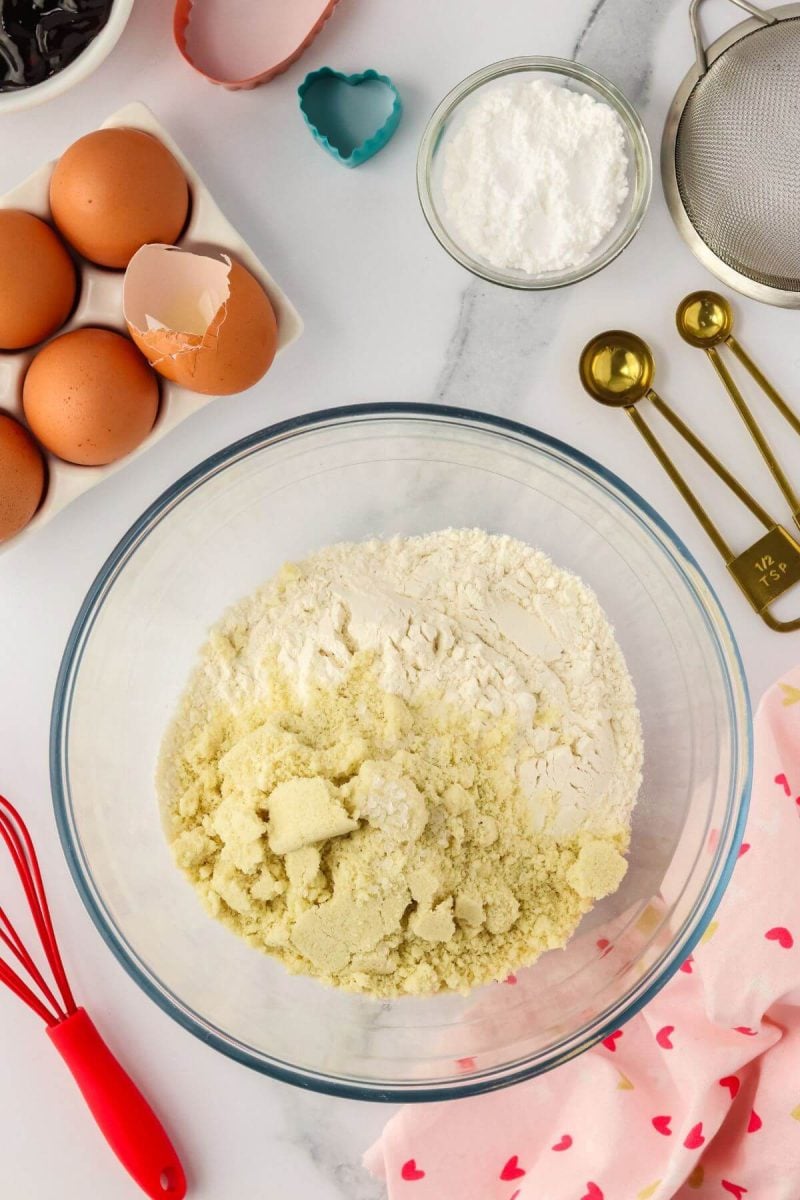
column 698, row 1097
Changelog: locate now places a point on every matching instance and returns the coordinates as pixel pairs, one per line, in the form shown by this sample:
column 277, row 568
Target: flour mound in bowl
column 406, row 766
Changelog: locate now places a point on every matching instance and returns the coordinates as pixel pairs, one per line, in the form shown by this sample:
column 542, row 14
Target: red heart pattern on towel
column 661, row 1125
column 512, row 1170
column 609, row 1042
column 663, row 1037
column 781, row 935
column 410, row 1172
column 593, row 1192
column 755, row 1122
column 563, row 1144
column 732, row 1083
column 694, row 1138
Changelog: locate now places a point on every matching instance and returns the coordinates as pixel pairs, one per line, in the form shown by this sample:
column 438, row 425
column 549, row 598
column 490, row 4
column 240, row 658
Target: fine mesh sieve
column 731, row 154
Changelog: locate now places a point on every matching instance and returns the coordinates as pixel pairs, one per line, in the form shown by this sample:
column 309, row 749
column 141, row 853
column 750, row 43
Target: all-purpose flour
column 535, row 176
column 407, row 765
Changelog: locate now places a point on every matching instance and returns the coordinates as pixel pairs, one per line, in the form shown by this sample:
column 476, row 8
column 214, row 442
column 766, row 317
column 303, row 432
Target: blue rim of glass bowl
column 730, row 834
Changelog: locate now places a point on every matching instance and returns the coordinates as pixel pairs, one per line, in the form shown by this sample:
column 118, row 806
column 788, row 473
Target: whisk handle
column 131, row 1128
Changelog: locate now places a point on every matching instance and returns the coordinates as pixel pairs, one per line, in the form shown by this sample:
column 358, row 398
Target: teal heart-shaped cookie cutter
column 350, row 134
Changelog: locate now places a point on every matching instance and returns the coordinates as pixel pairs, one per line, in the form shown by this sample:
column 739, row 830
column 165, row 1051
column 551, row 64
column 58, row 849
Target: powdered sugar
column 535, row 176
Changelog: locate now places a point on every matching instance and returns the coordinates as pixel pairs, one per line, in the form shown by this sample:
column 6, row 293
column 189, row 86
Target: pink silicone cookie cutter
column 228, row 41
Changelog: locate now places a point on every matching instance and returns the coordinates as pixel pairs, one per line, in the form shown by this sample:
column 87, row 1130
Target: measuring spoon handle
column 711, row 460
column 753, row 427
column 783, row 408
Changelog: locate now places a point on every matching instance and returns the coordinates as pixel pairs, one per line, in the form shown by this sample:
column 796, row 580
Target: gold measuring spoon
column 705, row 321
column 617, row 369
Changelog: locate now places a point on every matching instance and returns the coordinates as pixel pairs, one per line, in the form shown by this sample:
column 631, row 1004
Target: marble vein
column 590, row 20
column 500, row 334
column 326, row 1133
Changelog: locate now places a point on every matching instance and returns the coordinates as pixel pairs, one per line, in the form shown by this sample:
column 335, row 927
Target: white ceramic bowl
column 81, row 68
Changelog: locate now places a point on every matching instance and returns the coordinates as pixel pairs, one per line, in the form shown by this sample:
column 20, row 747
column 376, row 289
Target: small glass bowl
column 449, row 115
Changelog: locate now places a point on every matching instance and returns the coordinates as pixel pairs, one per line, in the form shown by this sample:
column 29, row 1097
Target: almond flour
column 406, row 766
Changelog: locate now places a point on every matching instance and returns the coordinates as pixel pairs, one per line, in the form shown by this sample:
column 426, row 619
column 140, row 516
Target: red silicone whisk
column 127, row 1121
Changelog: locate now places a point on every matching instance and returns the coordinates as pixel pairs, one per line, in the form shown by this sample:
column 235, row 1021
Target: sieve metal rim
column 669, row 179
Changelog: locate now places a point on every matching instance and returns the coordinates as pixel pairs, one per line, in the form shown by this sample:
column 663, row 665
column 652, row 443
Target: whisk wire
column 10, row 937
column 16, row 847
column 43, row 909
column 23, row 855
column 14, row 983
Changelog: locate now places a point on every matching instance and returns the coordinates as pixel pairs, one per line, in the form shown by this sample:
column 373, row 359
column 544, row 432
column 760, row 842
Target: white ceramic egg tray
column 100, row 303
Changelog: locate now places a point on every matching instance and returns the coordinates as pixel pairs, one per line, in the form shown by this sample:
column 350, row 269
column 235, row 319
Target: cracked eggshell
column 201, row 319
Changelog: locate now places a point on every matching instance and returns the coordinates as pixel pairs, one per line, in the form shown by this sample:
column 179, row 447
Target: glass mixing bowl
column 450, row 114
column 348, row 474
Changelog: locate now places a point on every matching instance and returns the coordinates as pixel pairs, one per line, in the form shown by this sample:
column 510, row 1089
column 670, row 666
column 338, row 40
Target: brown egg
column 115, row 190
column 37, row 280
column 22, row 477
column 235, row 351
column 90, row 397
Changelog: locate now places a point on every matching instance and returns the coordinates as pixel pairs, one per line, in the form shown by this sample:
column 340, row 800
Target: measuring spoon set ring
column 617, row 370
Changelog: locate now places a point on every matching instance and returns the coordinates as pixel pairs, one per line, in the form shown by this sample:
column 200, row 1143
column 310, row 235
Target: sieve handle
column 761, row 14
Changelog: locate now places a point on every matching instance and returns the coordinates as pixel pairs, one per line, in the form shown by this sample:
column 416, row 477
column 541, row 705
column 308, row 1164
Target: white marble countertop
column 388, row 317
